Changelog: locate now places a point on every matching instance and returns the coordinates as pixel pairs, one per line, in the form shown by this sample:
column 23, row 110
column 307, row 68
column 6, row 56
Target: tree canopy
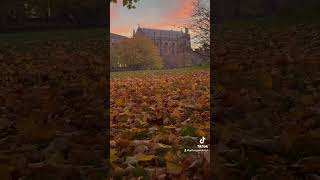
column 200, row 25
column 128, row 3
column 135, row 53
column 52, row 13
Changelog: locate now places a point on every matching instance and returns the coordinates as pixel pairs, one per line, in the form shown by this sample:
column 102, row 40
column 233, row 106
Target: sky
column 157, row 14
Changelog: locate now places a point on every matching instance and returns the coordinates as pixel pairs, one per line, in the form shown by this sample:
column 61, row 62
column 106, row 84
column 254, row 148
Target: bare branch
column 200, row 24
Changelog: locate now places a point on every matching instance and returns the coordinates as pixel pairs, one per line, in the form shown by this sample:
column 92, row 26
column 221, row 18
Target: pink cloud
column 177, row 18
column 114, row 10
column 123, row 30
column 184, row 10
column 169, row 25
column 114, row 14
column 174, row 20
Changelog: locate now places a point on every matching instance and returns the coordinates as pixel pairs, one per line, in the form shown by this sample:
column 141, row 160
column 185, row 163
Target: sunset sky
column 158, row 14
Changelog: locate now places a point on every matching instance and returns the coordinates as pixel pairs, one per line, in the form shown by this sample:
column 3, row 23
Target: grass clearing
column 123, row 74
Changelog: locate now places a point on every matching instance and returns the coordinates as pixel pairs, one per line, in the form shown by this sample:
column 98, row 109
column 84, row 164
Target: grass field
column 155, row 115
column 158, row 72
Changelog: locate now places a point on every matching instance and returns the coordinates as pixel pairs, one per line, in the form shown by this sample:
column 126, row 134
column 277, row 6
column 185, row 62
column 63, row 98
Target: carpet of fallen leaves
column 266, row 102
column 51, row 108
column 154, row 116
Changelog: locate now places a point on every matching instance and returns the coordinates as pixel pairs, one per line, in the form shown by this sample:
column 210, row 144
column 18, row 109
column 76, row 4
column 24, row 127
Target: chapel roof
column 161, row 33
column 117, row 36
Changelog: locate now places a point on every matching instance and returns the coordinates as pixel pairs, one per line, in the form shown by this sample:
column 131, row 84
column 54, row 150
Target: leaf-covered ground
column 51, row 109
column 154, row 116
column 266, row 102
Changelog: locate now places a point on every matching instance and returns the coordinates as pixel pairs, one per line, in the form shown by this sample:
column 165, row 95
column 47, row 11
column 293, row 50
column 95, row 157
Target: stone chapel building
column 170, row 43
column 115, row 38
column 174, row 46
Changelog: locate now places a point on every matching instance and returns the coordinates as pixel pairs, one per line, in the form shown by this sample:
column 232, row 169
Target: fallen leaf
column 173, row 168
column 200, row 133
column 144, row 157
column 113, row 155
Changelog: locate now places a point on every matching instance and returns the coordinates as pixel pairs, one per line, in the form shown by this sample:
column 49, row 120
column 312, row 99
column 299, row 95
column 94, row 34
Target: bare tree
column 200, row 26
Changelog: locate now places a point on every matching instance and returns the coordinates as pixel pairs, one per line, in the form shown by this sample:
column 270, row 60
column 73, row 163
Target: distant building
column 174, row 46
column 169, row 42
column 115, row 38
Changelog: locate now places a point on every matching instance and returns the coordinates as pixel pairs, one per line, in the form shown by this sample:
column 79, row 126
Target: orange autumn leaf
column 200, row 133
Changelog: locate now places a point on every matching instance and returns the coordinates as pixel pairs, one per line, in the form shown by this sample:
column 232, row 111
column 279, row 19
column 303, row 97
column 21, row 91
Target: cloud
column 177, row 17
column 185, row 9
column 174, row 17
column 123, row 30
column 114, row 15
column 114, row 12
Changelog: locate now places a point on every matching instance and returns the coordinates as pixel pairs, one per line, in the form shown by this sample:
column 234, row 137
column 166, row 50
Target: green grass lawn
column 158, row 72
column 71, row 34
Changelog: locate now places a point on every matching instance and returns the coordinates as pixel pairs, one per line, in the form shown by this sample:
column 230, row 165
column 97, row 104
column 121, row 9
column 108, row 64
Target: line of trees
column 135, row 53
column 44, row 13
